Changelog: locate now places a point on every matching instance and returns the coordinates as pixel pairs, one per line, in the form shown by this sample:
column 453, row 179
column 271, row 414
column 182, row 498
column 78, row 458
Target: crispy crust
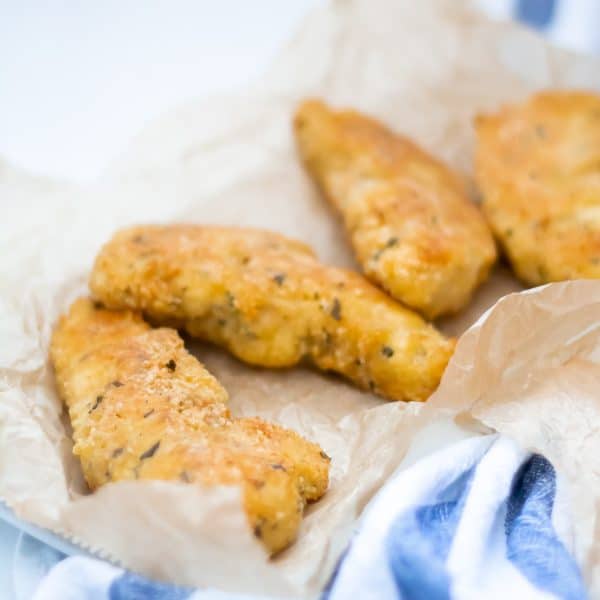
column 142, row 407
column 271, row 303
column 414, row 231
column 538, row 167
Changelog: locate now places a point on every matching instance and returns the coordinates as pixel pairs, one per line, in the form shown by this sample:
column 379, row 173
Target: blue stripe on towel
column 536, row 13
column 532, row 544
column 130, row 586
column 418, row 543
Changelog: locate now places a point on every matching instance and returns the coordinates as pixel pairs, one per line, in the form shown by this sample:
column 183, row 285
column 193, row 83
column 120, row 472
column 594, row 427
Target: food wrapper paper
column 528, row 368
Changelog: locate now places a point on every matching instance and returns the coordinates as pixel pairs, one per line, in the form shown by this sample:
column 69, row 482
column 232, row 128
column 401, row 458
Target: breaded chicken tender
column 142, row 407
column 414, row 231
column 538, row 168
column 269, row 301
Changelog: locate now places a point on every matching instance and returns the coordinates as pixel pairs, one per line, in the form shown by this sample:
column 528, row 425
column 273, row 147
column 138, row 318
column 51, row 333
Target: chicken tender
column 538, row 167
column 142, row 407
column 414, row 231
column 269, row 301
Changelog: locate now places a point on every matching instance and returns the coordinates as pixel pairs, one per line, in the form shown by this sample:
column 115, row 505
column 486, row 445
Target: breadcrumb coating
column 269, row 301
column 413, row 229
column 538, row 168
column 142, row 407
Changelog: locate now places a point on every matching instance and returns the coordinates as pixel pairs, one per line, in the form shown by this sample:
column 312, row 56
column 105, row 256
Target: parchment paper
column 528, row 369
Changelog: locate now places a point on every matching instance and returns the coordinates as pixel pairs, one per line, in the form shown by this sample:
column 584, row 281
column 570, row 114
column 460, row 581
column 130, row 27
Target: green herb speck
column 389, row 244
column 230, row 300
column 336, row 309
column 387, row 351
column 96, row 404
column 151, row 451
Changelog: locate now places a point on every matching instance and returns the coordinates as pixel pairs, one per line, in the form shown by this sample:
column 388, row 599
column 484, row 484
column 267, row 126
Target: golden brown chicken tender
column 413, row 229
column 538, row 167
column 142, row 407
column 269, row 301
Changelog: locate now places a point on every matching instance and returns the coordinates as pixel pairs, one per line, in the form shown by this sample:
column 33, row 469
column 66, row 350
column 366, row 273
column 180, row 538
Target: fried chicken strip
column 142, row 407
column 269, row 301
column 538, row 167
column 414, row 231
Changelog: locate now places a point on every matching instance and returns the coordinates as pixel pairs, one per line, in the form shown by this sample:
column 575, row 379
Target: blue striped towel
column 480, row 519
column 573, row 24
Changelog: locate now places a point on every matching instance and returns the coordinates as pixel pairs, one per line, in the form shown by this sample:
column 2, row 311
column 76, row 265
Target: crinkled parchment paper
column 528, row 369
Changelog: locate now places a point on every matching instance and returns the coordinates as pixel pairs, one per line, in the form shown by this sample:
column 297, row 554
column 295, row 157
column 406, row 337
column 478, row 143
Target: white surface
column 499, row 9
column 78, row 79
column 577, row 25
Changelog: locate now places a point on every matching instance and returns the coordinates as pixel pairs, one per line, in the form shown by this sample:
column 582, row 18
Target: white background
column 78, row 79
